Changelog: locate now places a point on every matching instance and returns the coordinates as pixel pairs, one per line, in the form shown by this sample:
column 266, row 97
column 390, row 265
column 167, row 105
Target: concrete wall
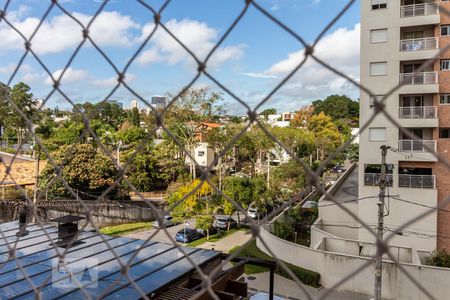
column 103, row 213
column 333, row 267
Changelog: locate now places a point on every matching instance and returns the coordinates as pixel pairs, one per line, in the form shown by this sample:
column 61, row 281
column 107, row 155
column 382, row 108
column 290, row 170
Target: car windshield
column 252, row 210
column 222, row 219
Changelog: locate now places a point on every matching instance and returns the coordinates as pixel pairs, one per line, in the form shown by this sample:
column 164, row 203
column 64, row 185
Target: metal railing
column 417, row 145
column 373, row 179
column 417, row 112
column 419, row 78
column 417, row 181
column 427, row 43
column 422, row 9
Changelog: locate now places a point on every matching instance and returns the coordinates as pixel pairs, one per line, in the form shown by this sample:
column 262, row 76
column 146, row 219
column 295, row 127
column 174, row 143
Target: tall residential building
column 397, row 38
column 159, row 102
column 134, row 104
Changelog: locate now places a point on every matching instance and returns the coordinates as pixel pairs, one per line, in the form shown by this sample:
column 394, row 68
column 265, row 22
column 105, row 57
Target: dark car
column 188, row 235
column 212, row 230
column 338, row 169
column 222, row 222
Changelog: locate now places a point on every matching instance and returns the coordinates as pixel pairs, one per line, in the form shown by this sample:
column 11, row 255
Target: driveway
column 160, row 236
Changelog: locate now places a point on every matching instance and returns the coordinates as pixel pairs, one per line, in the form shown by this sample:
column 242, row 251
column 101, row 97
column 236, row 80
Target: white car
column 252, row 212
column 166, row 222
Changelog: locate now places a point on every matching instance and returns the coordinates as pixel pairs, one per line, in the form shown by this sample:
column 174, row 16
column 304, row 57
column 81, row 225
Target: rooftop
column 153, row 268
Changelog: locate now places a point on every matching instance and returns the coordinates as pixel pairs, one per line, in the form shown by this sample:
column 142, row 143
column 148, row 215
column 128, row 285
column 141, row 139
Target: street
column 161, row 236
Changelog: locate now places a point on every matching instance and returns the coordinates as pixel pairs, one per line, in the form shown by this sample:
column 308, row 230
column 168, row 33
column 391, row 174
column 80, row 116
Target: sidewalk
column 224, row 245
column 289, row 289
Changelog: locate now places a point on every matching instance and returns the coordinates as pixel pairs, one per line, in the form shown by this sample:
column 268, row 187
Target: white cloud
column 70, row 76
column 112, row 81
column 195, row 35
column 340, row 49
column 7, row 69
column 257, row 75
column 61, row 32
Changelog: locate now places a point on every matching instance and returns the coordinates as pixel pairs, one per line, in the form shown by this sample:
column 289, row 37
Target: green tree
column 5, row 111
column 23, row 99
column 327, row 136
column 338, row 107
column 86, row 170
column 134, row 117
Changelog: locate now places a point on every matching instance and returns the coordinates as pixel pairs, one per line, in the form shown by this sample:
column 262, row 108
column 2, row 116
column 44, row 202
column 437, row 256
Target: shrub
column 307, row 277
column 439, row 258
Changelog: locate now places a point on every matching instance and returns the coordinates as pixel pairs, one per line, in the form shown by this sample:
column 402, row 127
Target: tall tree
column 4, row 106
column 338, row 107
column 23, row 99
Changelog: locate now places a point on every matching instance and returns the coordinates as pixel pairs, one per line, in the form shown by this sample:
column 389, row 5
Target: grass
column 125, row 228
column 308, row 277
column 214, row 237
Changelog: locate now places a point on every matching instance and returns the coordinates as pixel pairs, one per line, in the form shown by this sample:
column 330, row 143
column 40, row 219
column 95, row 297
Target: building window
column 445, row 65
column 444, row 133
column 378, row 36
column 201, row 153
column 377, row 134
column 445, row 29
column 378, row 69
column 379, row 4
column 445, row 99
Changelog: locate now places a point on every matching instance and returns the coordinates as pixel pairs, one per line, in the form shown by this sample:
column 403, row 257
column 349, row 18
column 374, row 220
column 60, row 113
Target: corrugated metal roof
column 155, row 266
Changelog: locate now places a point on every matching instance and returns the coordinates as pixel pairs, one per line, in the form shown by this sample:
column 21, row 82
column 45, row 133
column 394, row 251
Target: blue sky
column 252, row 60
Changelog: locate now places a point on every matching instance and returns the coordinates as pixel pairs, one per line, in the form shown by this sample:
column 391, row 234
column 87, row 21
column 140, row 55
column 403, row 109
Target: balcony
column 419, row 78
column 417, row 112
column 417, row 181
column 428, row 43
column 417, row 145
column 373, row 179
column 415, row 10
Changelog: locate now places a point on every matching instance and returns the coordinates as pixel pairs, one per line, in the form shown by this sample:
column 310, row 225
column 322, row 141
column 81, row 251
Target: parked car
column 212, row 230
column 188, row 235
column 252, row 212
column 222, row 222
column 167, row 221
column 338, row 169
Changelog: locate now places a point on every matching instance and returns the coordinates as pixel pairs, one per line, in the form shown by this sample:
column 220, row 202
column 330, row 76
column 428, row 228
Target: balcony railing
column 373, row 179
column 422, row 9
column 428, row 43
column 417, row 181
column 419, row 78
column 417, row 112
column 417, row 145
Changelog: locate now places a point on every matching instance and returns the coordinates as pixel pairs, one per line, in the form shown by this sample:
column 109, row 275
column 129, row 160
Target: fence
column 356, row 271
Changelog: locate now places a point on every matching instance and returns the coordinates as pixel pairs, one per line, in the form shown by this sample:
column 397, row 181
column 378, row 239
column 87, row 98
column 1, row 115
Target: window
column 379, row 4
column 445, row 99
column 201, row 153
column 445, row 65
column 373, row 98
column 377, row 134
column 378, row 69
column 378, row 36
column 445, row 29
column 444, row 133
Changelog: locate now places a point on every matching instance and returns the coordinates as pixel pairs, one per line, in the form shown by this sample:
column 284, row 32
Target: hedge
column 305, row 276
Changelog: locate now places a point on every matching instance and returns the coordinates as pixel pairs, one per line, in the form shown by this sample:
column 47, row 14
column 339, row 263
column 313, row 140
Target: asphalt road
column 161, row 236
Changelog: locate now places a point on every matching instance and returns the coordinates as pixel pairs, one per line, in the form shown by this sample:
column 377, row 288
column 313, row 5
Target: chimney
column 67, row 230
column 22, row 225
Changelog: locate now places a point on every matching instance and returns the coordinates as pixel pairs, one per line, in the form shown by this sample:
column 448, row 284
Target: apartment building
column 397, row 38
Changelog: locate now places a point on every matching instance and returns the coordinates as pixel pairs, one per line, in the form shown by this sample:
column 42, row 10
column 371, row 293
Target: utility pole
column 379, row 260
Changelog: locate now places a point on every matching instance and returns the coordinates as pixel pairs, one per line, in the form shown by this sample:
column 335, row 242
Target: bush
column 308, row 277
column 305, row 276
column 439, row 258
